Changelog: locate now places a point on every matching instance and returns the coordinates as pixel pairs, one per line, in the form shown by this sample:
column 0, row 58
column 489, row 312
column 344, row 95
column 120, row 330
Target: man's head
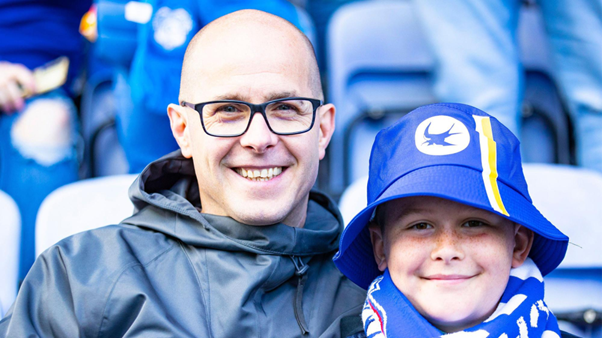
column 452, row 261
column 254, row 57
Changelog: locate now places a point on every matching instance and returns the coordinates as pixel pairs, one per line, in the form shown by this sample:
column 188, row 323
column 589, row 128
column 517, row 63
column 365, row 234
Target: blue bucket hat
column 456, row 152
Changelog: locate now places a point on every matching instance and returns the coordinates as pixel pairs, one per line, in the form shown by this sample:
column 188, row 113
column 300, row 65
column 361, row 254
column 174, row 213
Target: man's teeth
column 259, row 175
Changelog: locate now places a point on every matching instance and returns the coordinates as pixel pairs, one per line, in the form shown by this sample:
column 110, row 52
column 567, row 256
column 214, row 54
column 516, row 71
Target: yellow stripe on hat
column 489, row 162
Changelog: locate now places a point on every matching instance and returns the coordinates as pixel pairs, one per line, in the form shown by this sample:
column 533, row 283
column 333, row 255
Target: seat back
column 10, row 238
column 104, row 154
column 381, row 67
column 81, row 206
column 546, row 131
column 379, row 63
column 570, row 198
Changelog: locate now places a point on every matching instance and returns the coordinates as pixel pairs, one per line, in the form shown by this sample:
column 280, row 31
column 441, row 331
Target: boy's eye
column 421, row 226
column 474, row 224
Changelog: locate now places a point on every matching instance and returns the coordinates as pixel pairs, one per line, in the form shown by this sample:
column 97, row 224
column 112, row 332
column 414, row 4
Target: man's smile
column 257, row 174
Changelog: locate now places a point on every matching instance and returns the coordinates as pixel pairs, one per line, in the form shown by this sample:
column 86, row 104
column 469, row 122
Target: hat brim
column 465, row 185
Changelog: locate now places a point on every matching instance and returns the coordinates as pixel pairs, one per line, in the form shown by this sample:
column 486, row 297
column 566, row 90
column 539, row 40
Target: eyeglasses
column 231, row 118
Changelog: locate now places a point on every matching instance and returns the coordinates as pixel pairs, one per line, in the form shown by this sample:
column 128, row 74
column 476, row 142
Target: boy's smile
column 452, row 261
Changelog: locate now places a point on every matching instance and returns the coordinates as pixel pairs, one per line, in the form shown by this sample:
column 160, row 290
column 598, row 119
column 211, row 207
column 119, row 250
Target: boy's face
column 452, row 261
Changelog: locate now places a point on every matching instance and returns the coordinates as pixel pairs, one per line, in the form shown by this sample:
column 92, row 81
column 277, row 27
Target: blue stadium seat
column 104, row 155
column 546, row 132
column 379, row 65
column 10, row 237
column 380, row 68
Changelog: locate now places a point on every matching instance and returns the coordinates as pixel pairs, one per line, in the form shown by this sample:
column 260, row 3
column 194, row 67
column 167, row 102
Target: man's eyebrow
column 237, row 97
column 268, row 97
column 280, row 95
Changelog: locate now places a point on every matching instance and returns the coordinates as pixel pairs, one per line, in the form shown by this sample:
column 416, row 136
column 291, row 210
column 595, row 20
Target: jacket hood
column 166, row 199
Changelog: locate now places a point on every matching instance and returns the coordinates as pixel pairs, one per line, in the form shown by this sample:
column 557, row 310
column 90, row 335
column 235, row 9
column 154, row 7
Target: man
column 227, row 241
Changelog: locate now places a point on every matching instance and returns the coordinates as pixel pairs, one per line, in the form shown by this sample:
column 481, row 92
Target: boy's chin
column 451, row 319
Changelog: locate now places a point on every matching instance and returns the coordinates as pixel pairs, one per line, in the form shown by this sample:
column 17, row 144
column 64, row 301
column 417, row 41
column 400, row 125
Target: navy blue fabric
column 34, row 32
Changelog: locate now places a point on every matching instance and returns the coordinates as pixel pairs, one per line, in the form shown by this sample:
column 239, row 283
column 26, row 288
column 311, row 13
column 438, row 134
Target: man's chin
column 259, row 215
column 269, row 211
column 258, row 220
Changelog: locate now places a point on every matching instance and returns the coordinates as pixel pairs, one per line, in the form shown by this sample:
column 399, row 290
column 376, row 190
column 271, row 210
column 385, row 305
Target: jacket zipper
column 301, row 273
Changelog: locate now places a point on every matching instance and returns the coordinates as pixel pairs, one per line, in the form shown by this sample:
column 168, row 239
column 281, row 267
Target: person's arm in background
column 15, row 79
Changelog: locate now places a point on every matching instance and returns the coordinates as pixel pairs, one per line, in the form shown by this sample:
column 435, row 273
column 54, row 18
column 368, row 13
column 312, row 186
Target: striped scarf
column 521, row 312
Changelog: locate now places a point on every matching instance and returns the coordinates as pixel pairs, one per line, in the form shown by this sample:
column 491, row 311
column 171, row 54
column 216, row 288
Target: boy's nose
column 258, row 137
column 447, row 247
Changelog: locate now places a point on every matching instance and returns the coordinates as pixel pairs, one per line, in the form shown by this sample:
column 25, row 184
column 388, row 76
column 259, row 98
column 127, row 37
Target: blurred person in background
column 475, row 44
column 38, row 131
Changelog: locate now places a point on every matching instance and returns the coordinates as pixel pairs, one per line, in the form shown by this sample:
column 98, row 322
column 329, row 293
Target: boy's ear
column 378, row 245
column 523, row 241
column 178, row 120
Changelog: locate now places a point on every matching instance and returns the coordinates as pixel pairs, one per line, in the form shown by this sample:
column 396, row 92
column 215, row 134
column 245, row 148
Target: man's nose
column 447, row 246
column 258, row 137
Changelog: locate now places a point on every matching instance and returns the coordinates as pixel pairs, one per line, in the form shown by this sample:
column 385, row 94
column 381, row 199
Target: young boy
column 450, row 241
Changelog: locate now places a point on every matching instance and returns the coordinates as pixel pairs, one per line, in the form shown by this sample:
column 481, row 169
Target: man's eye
column 227, row 109
column 474, row 224
column 286, row 107
column 421, row 226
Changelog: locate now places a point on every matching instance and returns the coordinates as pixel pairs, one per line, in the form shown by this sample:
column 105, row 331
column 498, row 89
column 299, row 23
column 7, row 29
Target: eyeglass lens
column 230, row 118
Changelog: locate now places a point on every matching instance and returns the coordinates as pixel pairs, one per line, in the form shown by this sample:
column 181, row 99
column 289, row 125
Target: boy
column 450, row 241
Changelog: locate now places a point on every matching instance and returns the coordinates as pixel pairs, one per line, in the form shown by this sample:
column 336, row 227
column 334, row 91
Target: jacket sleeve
column 45, row 305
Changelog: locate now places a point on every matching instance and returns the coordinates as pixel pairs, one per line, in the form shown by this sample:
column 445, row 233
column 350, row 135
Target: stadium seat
column 571, row 198
column 104, row 155
column 380, row 68
column 546, row 131
column 379, row 65
column 10, row 237
column 353, row 199
column 82, row 205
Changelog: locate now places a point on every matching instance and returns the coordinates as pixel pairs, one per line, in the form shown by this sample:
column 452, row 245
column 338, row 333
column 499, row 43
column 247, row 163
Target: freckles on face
column 452, row 261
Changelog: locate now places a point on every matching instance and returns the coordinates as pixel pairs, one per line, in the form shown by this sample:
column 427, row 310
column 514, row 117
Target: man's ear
column 378, row 245
column 326, row 119
column 523, row 241
column 178, row 120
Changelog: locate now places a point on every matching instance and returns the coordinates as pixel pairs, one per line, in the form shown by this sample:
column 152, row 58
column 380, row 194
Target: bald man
column 227, row 239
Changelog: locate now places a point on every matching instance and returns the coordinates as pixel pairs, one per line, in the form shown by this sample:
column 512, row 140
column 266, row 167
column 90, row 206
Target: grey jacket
column 170, row 271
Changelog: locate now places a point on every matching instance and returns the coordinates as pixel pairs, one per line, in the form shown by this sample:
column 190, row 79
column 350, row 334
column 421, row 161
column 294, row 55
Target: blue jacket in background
column 34, row 32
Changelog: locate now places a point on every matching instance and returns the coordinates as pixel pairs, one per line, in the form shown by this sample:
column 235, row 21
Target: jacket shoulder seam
column 123, row 271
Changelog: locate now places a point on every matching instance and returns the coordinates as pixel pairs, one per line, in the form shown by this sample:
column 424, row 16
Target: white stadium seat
column 81, row 206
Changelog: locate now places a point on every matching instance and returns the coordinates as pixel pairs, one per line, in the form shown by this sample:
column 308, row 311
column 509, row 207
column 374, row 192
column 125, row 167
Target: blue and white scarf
column 521, row 312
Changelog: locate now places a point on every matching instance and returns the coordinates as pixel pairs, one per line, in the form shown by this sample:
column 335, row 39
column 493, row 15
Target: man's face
column 255, row 67
column 452, row 261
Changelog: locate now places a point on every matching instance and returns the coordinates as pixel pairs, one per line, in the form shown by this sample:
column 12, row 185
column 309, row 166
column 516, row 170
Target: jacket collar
column 166, row 199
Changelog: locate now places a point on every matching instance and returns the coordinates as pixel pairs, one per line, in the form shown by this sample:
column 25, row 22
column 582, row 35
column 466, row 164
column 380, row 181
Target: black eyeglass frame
column 255, row 108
